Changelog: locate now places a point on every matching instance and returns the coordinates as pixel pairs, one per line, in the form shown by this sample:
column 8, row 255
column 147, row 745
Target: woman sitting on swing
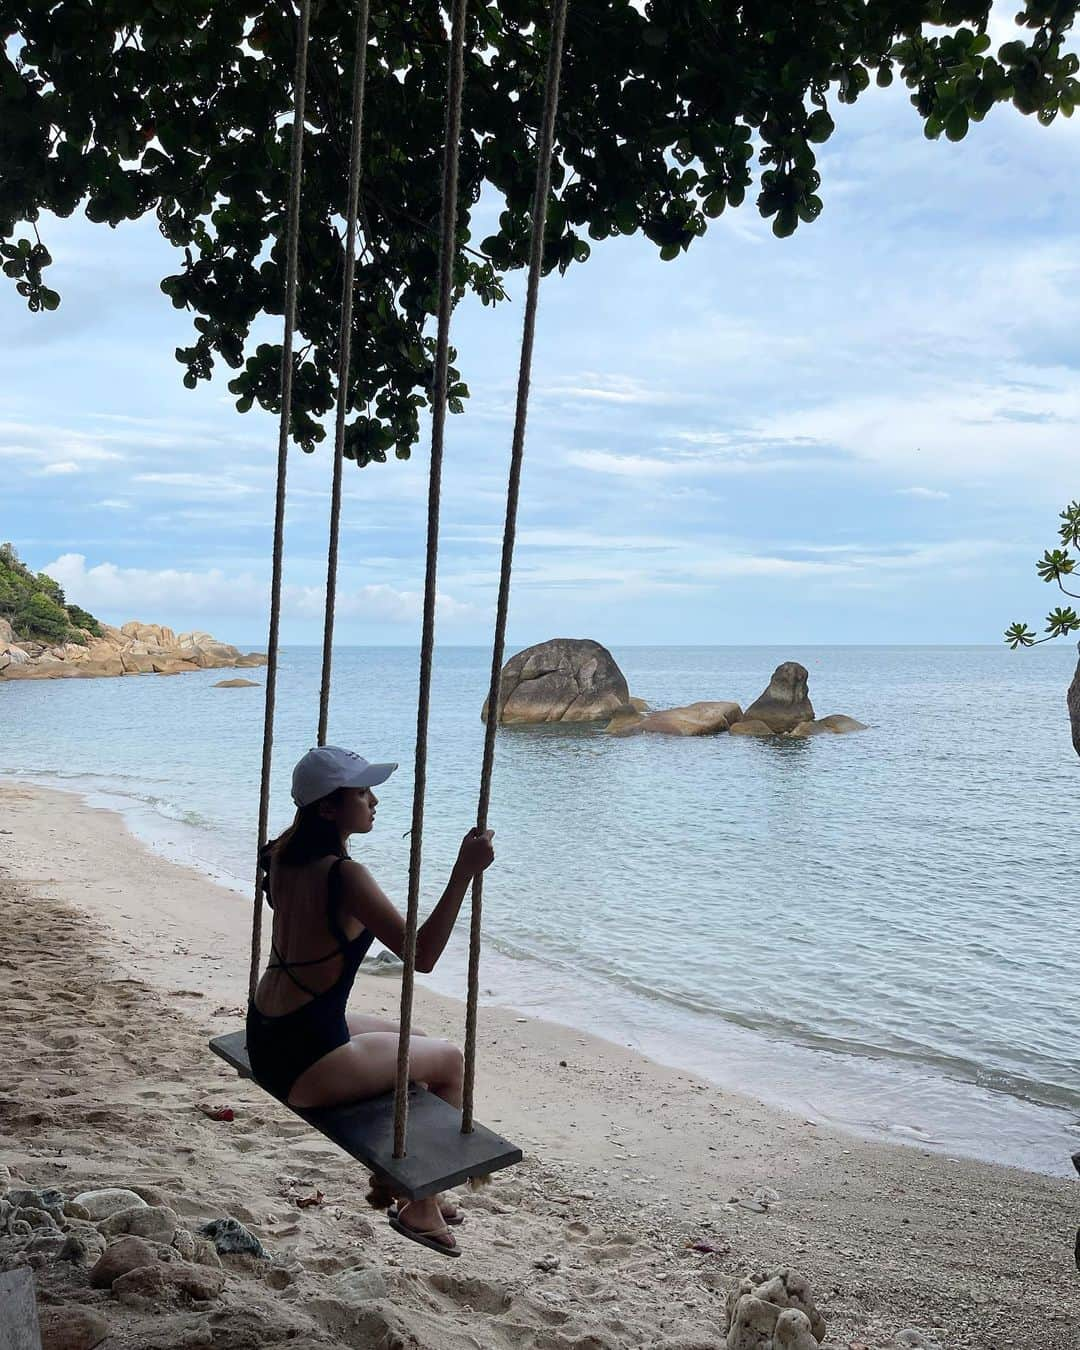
column 328, row 909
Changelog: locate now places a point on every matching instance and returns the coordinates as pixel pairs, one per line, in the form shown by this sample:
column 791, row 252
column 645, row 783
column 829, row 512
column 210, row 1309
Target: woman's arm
column 364, row 899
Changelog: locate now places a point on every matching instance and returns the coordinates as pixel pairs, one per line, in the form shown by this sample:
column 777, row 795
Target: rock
column 6, row 634
column 49, row 1199
column 154, row 1286
column 236, row 684
column 696, row 719
column 127, row 1253
column 82, row 1247
column 786, row 702
column 36, row 1218
column 71, row 1328
column 753, row 1325
column 279, row 1277
column 640, row 705
column 792, row 1331
column 100, row 1204
column 230, row 1235
column 913, row 1339
column 625, row 721
column 137, row 663
column 76, row 1211
column 756, row 1306
column 146, row 1221
column 751, row 727
column 564, row 680
column 1073, row 702
column 836, row 724
column 251, row 659
column 47, row 1242
column 184, row 1243
column 359, row 1286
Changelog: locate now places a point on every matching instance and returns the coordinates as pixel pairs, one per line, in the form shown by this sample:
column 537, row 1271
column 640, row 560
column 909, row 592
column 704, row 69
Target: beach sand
column 115, row 968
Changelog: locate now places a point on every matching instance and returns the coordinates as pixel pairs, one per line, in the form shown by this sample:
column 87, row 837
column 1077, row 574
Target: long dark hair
column 310, row 837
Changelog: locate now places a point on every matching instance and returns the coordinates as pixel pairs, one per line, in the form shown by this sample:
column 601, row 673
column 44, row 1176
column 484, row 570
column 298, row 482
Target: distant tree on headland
column 669, row 111
column 35, row 605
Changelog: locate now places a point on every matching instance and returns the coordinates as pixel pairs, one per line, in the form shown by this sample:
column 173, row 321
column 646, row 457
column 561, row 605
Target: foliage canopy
column 35, row 606
column 1055, row 564
column 670, row 114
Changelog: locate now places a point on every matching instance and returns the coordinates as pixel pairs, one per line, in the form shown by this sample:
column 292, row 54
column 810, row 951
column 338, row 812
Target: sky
column 863, row 433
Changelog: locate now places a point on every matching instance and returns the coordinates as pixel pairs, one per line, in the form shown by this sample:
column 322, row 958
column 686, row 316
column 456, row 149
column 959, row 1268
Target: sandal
column 453, row 1218
column 426, row 1238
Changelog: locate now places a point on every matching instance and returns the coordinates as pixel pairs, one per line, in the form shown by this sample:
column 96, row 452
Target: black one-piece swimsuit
column 281, row 1048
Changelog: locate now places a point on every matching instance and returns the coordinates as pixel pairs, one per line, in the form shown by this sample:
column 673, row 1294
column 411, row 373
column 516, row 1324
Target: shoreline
column 870, row 1098
column 627, row 1162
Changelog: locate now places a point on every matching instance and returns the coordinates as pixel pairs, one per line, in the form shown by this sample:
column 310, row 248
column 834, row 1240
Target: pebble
column 547, row 1263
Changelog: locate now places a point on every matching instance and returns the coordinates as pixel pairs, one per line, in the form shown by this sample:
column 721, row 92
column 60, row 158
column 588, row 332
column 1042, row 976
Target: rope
column 292, row 234
column 455, row 81
column 536, row 259
column 344, row 356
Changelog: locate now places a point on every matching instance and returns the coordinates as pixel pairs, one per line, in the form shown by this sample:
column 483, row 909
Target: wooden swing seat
column 439, row 1155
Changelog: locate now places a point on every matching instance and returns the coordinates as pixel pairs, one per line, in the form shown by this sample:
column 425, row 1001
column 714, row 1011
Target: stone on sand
column 160, row 1285
column 121, row 1256
column 756, row 1306
column 100, row 1204
column 147, row 1221
column 71, row 1328
column 786, row 701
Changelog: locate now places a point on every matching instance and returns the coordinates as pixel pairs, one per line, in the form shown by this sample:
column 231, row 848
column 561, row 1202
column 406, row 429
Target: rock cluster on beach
column 774, row 1311
column 578, row 680
column 133, row 649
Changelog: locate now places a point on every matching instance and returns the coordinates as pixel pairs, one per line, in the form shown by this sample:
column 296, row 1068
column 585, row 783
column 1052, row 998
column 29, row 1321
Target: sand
column 115, row 968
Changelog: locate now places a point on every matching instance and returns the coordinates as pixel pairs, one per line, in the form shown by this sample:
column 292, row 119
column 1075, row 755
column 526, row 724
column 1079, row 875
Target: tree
column 1054, row 564
column 668, row 113
column 41, row 617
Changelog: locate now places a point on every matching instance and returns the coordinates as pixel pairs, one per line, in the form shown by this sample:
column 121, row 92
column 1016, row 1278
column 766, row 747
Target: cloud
column 134, row 591
column 928, row 494
column 61, row 466
column 198, row 484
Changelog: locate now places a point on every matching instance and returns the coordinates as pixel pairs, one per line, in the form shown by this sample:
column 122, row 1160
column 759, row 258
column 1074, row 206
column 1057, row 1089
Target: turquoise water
column 878, row 929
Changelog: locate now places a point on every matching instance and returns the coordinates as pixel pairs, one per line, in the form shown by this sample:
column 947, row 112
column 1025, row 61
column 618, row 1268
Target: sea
column 878, row 931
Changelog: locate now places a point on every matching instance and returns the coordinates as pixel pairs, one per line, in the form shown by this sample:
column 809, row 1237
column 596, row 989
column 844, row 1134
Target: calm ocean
column 879, row 930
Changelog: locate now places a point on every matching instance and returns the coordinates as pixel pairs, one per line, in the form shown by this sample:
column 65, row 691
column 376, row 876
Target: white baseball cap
column 325, row 768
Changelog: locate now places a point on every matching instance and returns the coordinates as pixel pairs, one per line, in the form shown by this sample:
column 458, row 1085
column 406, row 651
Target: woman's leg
column 359, row 1023
column 367, row 1066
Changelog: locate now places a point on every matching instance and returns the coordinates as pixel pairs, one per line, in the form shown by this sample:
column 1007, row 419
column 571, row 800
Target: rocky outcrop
column 773, row 1312
column 836, row 724
column 564, row 680
column 236, row 684
column 750, row 726
column 695, row 719
column 1073, row 702
column 133, row 649
column 786, row 702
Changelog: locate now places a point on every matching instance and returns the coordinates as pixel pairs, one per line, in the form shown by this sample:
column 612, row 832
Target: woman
column 328, row 909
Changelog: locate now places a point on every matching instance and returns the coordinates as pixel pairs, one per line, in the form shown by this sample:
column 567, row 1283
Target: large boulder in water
column 1074, row 706
column 564, row 680
column 786, row 702
column 705, row 718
